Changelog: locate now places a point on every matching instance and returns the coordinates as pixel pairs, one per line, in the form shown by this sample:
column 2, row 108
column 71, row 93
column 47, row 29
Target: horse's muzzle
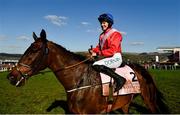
column 12, row 79
column 15, row 80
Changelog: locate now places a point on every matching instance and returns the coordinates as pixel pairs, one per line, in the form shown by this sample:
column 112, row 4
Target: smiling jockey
column 109, row 47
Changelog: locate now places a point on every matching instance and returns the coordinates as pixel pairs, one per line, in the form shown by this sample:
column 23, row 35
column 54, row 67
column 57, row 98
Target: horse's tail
column 153, row 98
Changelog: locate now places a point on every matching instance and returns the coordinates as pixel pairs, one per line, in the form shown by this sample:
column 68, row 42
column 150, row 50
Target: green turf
column 168, row 81
column 42, row 90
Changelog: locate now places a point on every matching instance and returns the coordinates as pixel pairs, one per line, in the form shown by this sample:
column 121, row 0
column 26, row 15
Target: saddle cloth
column 131, row 85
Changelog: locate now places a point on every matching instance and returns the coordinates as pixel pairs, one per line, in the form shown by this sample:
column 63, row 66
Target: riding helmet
column 106, row 17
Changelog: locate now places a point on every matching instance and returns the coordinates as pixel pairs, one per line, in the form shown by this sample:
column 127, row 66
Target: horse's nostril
column 11, row 78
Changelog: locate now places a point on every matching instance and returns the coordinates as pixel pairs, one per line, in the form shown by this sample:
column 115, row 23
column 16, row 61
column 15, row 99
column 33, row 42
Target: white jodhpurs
column 111, row 62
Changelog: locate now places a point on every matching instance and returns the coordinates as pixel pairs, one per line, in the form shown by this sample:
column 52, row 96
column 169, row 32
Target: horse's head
column 33, row 60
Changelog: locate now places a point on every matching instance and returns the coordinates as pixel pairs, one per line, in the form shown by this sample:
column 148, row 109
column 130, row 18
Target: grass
column 35, row 97
column 42, row 90
column 168, row 83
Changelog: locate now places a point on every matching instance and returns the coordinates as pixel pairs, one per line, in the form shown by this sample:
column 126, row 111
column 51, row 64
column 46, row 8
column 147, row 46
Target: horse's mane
column 71, row 54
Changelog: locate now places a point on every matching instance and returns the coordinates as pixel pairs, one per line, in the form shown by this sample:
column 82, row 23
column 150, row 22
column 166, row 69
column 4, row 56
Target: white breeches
column 111, row 62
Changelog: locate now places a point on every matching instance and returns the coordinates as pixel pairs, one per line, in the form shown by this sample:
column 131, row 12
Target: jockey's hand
column 90, row 51
column 93, row 54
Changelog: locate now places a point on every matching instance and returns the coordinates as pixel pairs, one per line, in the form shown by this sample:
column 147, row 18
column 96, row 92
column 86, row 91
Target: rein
column 71, row 66
column 74, row 65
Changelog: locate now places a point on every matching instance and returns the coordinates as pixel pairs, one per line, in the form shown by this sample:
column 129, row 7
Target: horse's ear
column 34, row 36
column 43, row 34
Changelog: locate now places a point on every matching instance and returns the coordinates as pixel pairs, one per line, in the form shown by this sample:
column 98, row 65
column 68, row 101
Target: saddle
column 131, row 85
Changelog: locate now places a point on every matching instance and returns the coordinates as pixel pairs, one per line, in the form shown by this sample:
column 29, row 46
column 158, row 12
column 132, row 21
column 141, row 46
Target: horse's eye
column 29, row 59
column 35, row 47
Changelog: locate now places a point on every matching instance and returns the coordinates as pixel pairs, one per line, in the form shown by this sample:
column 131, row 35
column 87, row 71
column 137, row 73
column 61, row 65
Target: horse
column 81, row 82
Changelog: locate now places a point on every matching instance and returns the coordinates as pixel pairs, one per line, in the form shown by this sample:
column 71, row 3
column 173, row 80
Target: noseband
column 26, row 75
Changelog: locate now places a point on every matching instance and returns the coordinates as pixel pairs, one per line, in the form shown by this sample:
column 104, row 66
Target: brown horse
column 81, row 82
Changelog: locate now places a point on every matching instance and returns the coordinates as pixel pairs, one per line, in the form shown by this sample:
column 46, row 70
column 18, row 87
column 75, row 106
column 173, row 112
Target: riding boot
column 119, row 80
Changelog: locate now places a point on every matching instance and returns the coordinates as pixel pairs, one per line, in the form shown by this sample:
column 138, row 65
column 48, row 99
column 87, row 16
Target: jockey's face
column 104, row 25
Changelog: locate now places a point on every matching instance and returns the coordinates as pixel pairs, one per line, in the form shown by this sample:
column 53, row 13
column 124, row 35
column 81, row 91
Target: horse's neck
column 59, row 58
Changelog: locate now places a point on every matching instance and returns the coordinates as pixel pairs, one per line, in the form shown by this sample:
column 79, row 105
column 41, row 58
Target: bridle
column 25, row 76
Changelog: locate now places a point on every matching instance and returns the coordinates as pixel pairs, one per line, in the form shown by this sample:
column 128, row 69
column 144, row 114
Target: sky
column 144, row 24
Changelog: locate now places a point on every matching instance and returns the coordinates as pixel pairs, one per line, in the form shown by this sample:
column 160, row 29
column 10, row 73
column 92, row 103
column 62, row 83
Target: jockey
column 110, row 48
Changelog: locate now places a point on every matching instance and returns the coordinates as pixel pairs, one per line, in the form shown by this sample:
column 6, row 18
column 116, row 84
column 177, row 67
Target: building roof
column 169, row 49
column 166, row 48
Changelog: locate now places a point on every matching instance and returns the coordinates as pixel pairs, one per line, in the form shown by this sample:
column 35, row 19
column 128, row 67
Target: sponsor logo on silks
column 111, row 61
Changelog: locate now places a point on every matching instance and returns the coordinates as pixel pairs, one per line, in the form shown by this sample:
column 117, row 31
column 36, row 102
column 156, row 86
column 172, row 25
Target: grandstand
column 6, row 65
column 173, row 51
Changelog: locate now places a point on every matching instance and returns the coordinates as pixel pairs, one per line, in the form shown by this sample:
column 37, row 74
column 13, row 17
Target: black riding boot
column 119, row 80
